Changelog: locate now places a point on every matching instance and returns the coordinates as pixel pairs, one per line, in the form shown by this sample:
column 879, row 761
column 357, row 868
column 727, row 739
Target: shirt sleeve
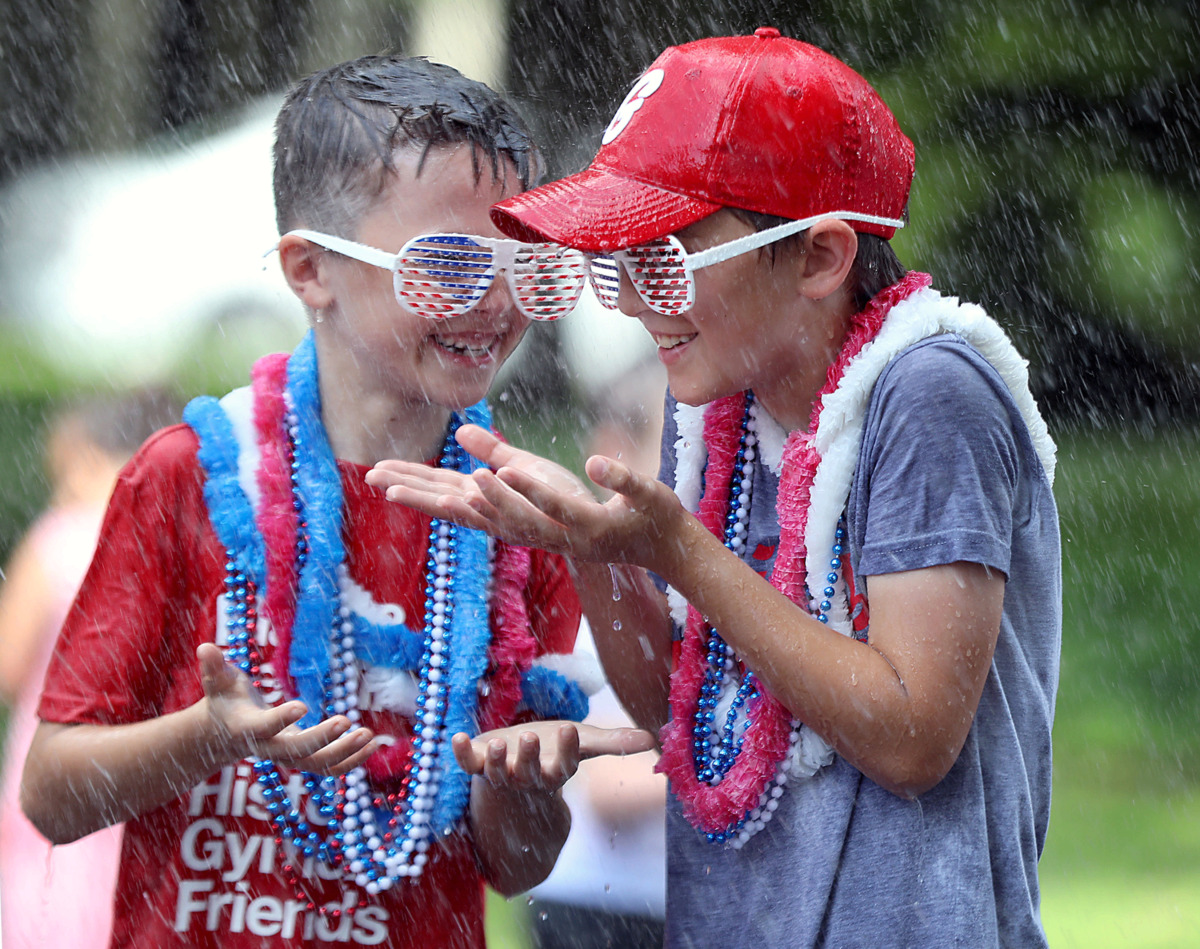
column 670, row 432
column 939, row 466
column 124, row 635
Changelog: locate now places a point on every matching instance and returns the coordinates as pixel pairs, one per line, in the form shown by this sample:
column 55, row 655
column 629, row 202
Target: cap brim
column 596, row 210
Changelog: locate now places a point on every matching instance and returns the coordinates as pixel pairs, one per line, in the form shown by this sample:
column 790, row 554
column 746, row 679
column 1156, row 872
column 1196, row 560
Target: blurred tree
column 96, row 75
column 1057, row 145
column 1057, row 140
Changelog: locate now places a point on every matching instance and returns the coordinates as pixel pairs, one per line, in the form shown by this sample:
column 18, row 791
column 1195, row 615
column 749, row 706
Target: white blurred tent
column 120, row 267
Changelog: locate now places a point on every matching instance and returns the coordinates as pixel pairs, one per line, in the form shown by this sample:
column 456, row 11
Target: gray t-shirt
column 947, row 472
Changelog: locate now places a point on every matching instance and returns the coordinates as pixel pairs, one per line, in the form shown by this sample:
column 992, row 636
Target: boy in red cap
column 867, row 602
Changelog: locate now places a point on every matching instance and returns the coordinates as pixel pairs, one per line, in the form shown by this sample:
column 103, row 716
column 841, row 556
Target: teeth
column 475, row 351
column 670, row 342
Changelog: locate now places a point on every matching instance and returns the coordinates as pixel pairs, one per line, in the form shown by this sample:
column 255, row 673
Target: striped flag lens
column 656, row 270
column 547, row 279
column 606, row 279
column 443, row 275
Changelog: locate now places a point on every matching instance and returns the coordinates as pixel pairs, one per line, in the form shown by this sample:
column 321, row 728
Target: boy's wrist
column 680, row 537
column 214, row 743
column 518, row 814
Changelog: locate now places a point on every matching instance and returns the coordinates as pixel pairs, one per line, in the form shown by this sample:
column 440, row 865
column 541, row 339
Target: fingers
column 421, row 484
column 496, row 766
column 445, row 507
column 216, row 674
column 619, row 478
column 449, row 495
column 291, row 744
column 568, row 752
column 469, row 758
column 477, row 441
column 548, row 769
column 276, row 720
column 522, row 515
column 340, row 755
column 329, row 747
column 594, row 741
column 538, row 497
column 487, row 447
column 521, row 758
column 390, row 472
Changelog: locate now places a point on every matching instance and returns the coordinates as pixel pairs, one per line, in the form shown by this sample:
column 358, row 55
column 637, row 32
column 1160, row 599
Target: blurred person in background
column 60, row 896
column 608, row 888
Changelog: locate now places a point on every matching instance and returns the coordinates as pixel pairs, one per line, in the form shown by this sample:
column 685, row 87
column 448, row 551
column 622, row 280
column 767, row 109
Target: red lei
column 513, row 646
column 716, row 808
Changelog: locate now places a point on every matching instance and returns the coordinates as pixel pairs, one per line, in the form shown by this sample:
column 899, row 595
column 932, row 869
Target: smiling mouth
column 670, row 342
column 475, row 349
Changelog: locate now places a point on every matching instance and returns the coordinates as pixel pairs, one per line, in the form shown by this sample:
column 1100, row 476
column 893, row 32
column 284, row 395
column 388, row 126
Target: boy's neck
column 366, row 424
column 790, row 401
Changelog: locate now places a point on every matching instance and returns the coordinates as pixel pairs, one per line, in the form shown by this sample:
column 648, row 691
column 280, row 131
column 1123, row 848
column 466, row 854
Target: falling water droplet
column 612, row 571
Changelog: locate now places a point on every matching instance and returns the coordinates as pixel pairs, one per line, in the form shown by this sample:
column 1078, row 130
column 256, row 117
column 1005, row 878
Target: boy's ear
column 830, row 249
column 302, row 268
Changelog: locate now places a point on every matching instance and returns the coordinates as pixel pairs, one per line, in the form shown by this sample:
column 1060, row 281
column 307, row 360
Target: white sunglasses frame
column 733, row 248
column 504, row 252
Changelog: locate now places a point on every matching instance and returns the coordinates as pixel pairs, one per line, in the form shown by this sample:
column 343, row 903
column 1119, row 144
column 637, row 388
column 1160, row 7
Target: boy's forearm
column 518, row 834
column 632, row 631
column 805, row 665
column 80, row 778
column 897, row 709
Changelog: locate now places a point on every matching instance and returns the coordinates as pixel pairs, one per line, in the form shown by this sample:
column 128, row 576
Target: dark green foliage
column 23, row 488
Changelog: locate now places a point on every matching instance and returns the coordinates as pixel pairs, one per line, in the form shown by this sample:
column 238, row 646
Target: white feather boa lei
column 392, row 689
column 838, row 438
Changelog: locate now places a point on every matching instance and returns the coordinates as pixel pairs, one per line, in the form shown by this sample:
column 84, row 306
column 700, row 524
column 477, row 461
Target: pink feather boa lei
column 710, row 808
column 513, row 646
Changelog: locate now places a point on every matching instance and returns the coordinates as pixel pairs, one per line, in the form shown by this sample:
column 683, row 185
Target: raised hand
column 531, row 501
column 245, row 725
column 542, row 756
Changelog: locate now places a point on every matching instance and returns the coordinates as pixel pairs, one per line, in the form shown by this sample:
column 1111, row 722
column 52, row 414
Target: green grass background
column 1122, row 860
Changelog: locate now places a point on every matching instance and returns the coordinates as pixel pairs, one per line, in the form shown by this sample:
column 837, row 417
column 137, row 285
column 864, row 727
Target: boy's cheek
column 519, row 331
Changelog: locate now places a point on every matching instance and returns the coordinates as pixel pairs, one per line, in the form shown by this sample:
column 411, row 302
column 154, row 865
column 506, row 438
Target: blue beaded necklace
column 378, row 839
column 716, row 749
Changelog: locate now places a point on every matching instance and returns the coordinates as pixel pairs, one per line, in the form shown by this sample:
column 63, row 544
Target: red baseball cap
column 760, row 122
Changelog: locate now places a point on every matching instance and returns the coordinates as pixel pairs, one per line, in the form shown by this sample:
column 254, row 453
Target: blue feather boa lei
column 547, row 693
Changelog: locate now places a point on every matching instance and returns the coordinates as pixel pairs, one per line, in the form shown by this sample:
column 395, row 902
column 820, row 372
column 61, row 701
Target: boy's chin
column 462, row 398
column 694, row 396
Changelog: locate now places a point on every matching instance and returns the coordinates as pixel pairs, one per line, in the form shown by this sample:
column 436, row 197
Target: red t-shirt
column 204, row 869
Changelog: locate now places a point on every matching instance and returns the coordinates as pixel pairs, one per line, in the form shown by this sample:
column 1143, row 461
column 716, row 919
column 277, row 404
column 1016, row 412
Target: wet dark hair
column 875, row 266
column 339, row 129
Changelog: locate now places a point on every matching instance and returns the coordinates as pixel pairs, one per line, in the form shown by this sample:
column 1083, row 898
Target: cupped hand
column 528, row 500
column 542, row 756
column 245, row 725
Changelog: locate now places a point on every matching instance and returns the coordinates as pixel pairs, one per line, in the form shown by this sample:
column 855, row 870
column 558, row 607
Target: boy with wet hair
column 272, row 674
column 338, row 131
column 861, row 553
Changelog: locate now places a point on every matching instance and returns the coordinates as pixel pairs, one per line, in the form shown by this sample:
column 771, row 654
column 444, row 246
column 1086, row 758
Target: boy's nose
column 629, row 301
column 498, row 301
